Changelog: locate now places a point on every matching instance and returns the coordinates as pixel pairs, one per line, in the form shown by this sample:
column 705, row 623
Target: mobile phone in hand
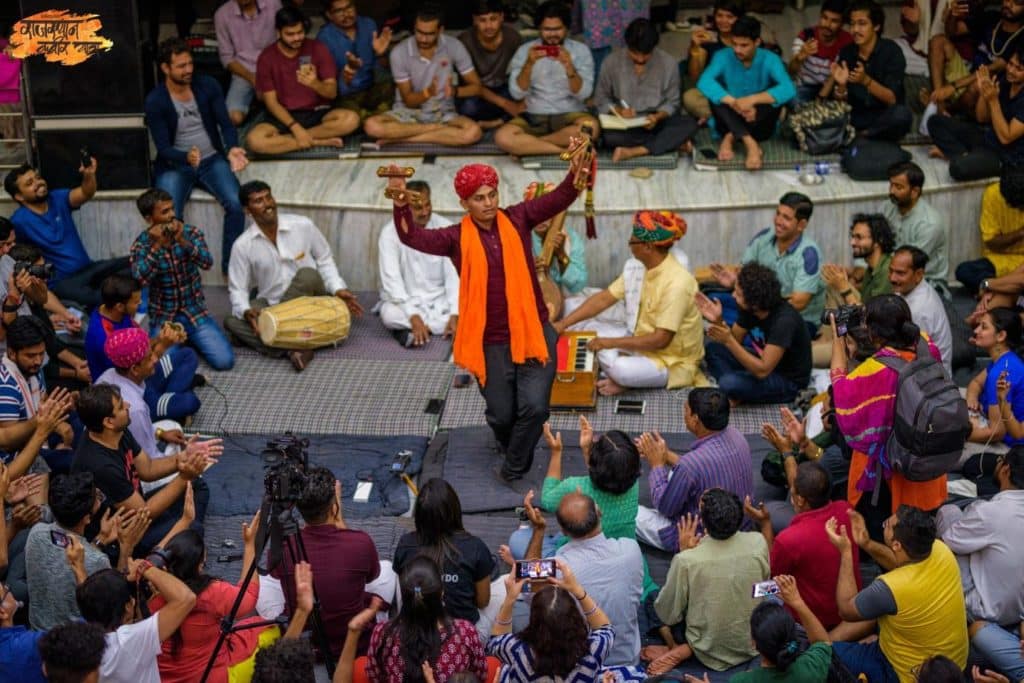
column 59, row 538
column 764, row 588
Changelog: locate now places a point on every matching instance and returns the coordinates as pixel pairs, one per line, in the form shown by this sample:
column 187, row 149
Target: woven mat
column 404, row 149
column 368, row 339
column 663, row 411
column 604, row 162
column 472, row 456
column 332, row 396
column 778, row 154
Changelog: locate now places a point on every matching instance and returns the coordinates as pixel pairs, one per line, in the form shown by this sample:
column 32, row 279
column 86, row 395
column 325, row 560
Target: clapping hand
column 652, row 448
column 586, row 437
column 987, row 85
column 380, row 41
column 553, row 440
column 1002, row 387
column 723, row 275
column 758, row 514
column 858, row 528
column 132, row 528
column 304, row 587
column 840, row 72
column 537, row 520
column 777, row 440
column 21, row 488
column 688, row 536
column 796, row 430
column 837, row 535
column 710, row 309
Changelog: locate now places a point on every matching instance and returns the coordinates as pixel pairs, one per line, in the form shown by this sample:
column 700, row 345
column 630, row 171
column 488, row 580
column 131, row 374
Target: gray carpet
column 664, row 412
column 332, row 396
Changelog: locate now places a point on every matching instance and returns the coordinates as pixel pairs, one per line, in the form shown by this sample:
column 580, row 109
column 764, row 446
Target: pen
column 624, row 104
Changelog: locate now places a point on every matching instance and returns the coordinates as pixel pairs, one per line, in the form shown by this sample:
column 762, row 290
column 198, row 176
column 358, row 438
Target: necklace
column 992, row 41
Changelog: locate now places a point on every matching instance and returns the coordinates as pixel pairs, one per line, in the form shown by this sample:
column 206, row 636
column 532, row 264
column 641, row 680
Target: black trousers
column 518, row 397
column 972, row 273
column 84, row 286
column 761, row 128
column 667, row 136
column 891, row 124
column 971, row 156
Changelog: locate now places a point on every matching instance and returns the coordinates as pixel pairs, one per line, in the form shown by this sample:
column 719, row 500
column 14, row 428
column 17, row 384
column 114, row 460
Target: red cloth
column 198, row 635
column 276, row 72
column 804, row 551
column 343, row 562
column 460, row 651
column 524, row 216
column 472, row 177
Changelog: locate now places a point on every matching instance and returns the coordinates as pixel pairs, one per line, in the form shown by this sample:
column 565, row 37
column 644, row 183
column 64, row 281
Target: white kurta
column 414, row 283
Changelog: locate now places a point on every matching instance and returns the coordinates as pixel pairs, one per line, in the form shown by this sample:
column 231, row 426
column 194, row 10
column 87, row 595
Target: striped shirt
column 19, row 397
column 818, row 67
column 721, row 459
column 172, row 273
column 517, row 659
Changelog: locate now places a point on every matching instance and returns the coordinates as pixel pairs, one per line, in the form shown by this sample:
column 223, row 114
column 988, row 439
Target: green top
column 810, row 667
column 618, row 512
column 876, row 280
column 798, row 269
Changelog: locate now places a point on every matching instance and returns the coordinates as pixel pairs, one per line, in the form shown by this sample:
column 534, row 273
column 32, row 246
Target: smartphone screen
column 535, row 570
column 59, row 538
column 763, row 588
column 630, row 407
column 305, row 59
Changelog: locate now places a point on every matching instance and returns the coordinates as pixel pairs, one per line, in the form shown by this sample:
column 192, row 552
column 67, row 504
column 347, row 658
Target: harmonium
column 575, row 386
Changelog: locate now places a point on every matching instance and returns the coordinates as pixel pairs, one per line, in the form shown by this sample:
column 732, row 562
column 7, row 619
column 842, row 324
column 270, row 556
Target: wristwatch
column 158, row 558
column 984, row 284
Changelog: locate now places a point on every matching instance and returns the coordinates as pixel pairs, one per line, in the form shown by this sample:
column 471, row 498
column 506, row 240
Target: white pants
column 624, row 368
column 648, row 523
column 169, row 450
column 489, row 614
column 394, row 318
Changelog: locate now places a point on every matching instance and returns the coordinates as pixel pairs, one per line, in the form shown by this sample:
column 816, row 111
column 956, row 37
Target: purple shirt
column 241, row 38
column 524, row 216
column 721, row 460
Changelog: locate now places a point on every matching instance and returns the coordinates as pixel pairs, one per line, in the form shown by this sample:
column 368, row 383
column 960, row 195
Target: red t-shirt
column 276, row 72
column 185, row 654
column 804, row 551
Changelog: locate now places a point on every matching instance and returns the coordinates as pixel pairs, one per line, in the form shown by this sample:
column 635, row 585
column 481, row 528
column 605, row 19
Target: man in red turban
column 662, row 342
column 504, row 338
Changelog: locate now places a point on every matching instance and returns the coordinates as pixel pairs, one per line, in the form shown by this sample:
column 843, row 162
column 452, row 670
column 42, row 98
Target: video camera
column 43, row 271
column 286, row 460
column 401, row 461
column 847, row 316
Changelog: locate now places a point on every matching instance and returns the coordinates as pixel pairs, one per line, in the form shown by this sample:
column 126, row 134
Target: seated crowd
column 856, row 568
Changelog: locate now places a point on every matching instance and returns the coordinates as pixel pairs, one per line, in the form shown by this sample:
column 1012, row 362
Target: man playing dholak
column 663, row 342
column 504, row 338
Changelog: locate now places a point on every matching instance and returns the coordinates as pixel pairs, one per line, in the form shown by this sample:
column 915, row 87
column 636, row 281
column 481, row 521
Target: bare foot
column 935, row 153
column 623, row 153
column 651, row 652
column 755, row 157
column 607, row 387
column 329, row 142
column 669, row 660
column 686, row 147
column 725, row 151
column 300, row 359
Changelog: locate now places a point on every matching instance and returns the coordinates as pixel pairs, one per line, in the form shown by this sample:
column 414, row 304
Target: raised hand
column 553, row 440
column 1002, row 388
column 23, row 487
column 381, row 41
column 759, row 514
column 688, row 535
column 837, row 534
column 796, row 430
column 710, row 309
column 537, row 520
column 777, row 440
column 304, row 587
column 132, row 529
column 723, row 275
column 249, row 530
column 652, row 448
column 840, row 72
column 858, row 528
column 788, row 590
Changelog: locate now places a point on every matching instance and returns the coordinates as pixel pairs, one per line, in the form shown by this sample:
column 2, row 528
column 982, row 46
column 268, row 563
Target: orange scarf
column 525, row 331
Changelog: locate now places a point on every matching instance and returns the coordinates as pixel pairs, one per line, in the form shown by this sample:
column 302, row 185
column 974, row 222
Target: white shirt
column 131, row 653
column 929, row 314
column 412, row 280
column 141, row 425
column 257, row 262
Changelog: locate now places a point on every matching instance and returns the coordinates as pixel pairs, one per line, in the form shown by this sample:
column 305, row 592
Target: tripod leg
column 298, row 554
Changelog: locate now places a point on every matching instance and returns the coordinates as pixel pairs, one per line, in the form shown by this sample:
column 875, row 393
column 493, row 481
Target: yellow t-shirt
column 930, row 615
column 667, row 302
column 999, row 218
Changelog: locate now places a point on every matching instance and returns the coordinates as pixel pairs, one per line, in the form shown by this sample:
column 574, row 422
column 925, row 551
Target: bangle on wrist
column 591, row 610
column 500, row 622
column 583, row 597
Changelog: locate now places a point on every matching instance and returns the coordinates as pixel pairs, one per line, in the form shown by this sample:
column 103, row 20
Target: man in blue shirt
column 19, row 647
column 196, row 143
column 44, row 219
column 747, row 87
column 356, row 45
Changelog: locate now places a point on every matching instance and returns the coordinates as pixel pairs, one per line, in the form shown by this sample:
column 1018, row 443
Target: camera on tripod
column 43, row 271
column 847, row 316
column 286, row 460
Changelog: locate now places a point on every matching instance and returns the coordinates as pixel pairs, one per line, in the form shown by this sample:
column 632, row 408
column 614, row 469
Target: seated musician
column 283, row 257
column 419, row 292
column 568, row 269
column 666, row 346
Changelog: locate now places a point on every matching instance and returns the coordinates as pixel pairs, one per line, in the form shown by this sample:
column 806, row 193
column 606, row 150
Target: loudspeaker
column 108, row 83
column 122, row 156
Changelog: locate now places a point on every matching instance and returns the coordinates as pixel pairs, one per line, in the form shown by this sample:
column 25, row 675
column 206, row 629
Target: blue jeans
column 479, row 109
column 169, row 391
column 1001, row 649
column 209, row 341
column 213, row 175
column 742, row 385
column 866, row 659
column 519, row 541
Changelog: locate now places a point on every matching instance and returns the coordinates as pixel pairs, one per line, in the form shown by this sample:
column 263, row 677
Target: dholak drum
column 307, row 322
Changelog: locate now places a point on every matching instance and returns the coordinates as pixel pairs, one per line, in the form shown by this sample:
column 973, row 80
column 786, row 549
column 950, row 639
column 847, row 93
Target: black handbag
column 822, row 126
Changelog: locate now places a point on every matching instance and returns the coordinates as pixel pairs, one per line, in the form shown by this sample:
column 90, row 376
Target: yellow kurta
column 999, row 218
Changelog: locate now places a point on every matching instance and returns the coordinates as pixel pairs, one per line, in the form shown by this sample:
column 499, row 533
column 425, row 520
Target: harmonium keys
column 575, row 385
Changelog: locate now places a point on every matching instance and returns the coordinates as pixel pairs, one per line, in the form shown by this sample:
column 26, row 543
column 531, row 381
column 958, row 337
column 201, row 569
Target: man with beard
column 916, row 222
column 44, row 220
column 244, row 28
column 871, row 239
column 297, row 79
column 555, row 76
column 815, row 50
column 283, row 257
column 355, row 46
column 906, row 275
column 492, row 45
column 424, row 66
column 196, row 143
column 869, row 76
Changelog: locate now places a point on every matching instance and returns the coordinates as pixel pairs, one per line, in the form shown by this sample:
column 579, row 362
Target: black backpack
column 931, row 424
